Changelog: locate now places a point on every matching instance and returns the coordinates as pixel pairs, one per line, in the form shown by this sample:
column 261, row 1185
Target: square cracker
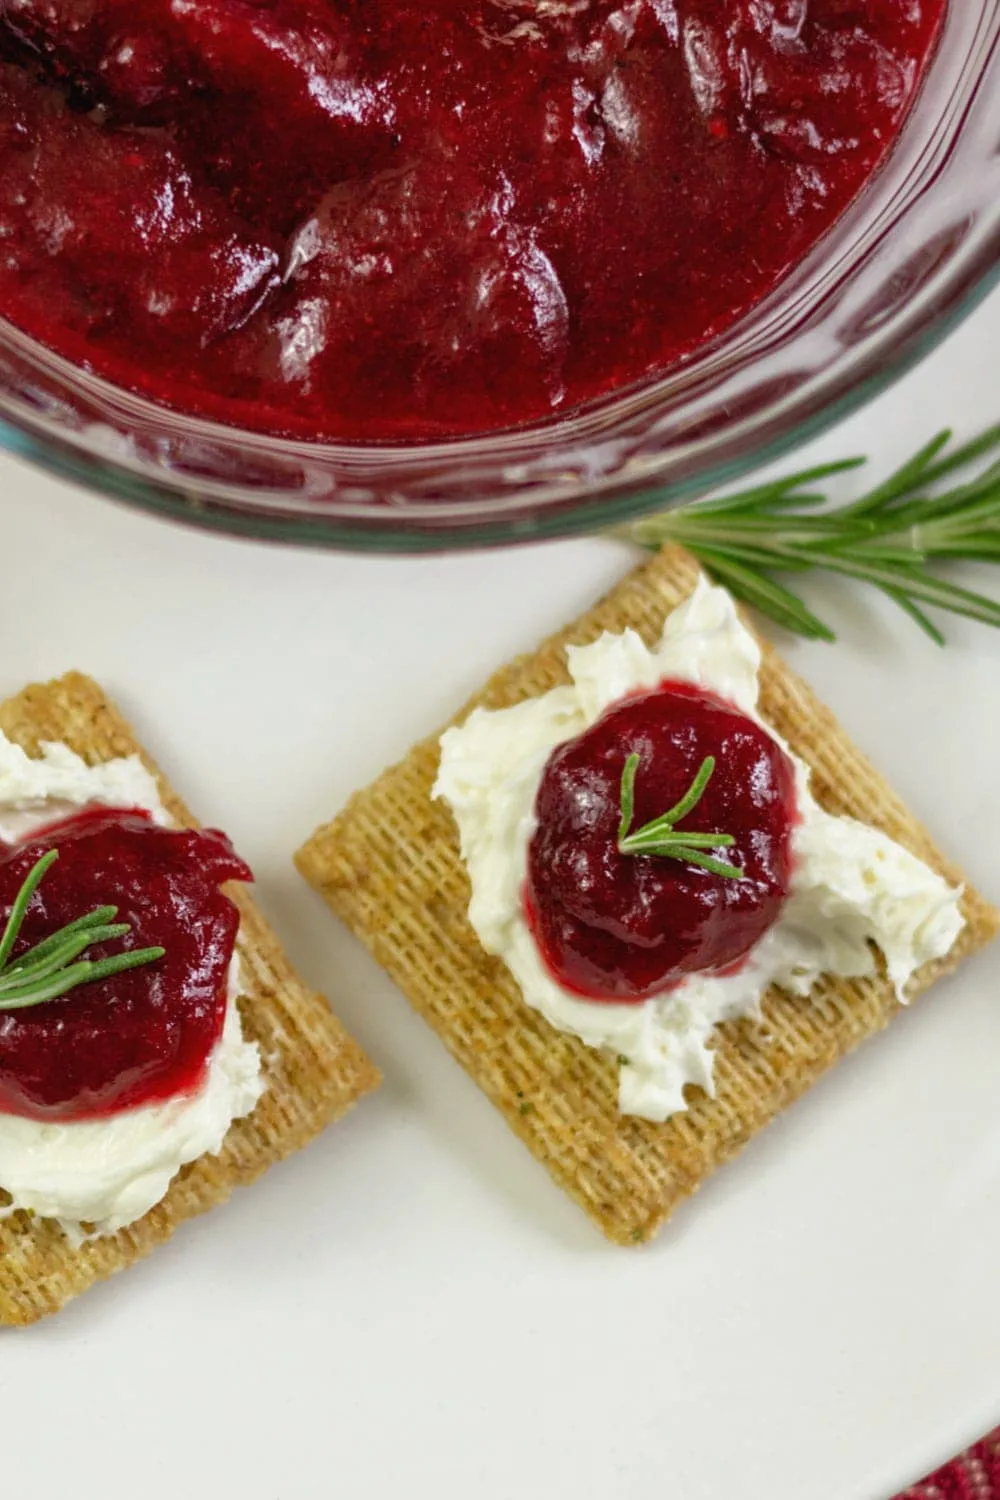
column 313, row 1070
column 389, row 866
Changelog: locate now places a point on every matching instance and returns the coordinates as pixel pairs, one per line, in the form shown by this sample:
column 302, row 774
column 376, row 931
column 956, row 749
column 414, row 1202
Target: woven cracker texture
column 313, row 1070
column 389, row 866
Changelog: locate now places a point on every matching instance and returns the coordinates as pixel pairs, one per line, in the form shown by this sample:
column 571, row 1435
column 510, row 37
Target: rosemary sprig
column 892, row 537
column 55, row 966
column 659, row 836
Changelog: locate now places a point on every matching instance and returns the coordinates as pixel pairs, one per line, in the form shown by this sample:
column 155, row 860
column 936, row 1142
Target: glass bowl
column 916, row 252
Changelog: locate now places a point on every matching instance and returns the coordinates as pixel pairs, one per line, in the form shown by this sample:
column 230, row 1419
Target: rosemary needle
column 660, row 837
column 56, row 965
column 893, row 537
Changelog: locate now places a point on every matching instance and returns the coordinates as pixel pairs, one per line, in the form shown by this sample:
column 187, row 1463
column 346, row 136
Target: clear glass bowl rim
column 500, row 508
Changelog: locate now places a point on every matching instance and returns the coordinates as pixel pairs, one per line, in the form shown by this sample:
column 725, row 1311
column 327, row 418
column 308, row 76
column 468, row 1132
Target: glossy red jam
column 145, row 1034
column 384, row 219
column 623, row 927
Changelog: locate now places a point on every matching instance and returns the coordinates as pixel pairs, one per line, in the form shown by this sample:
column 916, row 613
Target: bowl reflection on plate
column 916, row 252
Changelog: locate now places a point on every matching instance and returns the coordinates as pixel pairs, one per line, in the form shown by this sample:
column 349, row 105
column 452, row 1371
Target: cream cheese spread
column 108, row 1172
column 851, row 884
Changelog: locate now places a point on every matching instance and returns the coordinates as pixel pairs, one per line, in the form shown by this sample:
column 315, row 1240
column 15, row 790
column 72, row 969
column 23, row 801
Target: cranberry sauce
column 145, row 1034
column 615, row 926
column 380, row 219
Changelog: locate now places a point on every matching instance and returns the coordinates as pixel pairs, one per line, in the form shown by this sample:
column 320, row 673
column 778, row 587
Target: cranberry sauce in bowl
column 397, row 219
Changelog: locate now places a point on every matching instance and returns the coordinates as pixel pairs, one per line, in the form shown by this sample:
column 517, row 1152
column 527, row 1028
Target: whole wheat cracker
column 313, row 1070
column 389, row 866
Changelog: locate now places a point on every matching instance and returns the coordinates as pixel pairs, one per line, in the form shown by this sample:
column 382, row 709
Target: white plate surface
column 409, row 1307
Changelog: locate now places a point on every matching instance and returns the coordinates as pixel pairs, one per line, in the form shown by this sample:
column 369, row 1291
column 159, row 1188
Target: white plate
column 410, row 1307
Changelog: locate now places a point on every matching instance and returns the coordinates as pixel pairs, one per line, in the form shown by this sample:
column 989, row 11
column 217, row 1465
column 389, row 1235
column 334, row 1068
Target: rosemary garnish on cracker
column 893, row 537
column 56, row 965
column 659, row 837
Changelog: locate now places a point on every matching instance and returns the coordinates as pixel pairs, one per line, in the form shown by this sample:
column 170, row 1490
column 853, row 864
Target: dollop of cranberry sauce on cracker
column 398, row 219
column 144, row 1035
column 624, row 927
